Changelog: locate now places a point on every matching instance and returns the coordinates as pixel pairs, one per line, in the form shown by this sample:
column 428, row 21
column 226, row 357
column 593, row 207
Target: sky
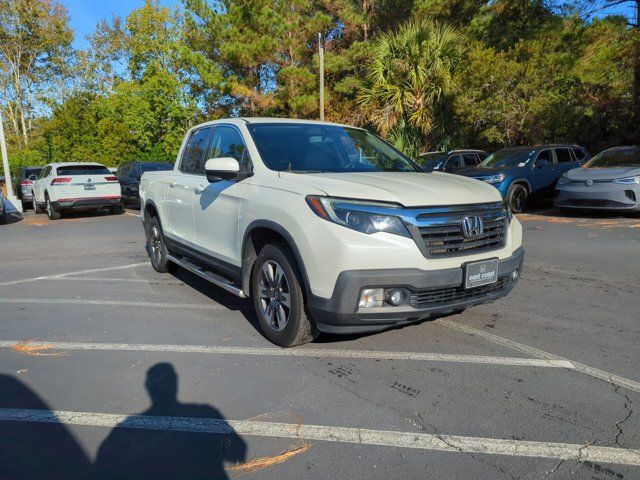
column 85, row 14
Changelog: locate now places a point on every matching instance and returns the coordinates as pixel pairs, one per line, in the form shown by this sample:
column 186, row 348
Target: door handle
column 199, row 189
column 172, row 183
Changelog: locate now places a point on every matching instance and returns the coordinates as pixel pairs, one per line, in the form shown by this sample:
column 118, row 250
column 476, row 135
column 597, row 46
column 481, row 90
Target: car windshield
column 506, row 158
column 155, row 167
column 432, row 161
column 83, row 170
column 311, row 148
column 616, row 157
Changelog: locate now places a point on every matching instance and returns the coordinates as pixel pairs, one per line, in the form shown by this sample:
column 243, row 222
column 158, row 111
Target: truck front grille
column 450, row 295
column 442, row 233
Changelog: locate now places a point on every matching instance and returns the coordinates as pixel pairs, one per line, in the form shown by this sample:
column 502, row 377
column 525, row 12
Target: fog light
column 514, row 274
column 371, row 297
column 395, row 297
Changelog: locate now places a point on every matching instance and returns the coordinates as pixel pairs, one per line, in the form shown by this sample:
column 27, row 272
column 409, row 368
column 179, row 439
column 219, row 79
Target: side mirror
column 542, row 162
column 223, row 168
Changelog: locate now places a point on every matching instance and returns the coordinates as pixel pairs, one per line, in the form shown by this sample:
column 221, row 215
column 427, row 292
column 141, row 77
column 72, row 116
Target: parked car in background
column 129, row 175
column 609, row 181
column 452, row 160
column 3, row 209
column 23, row 183
column 327, row 228
column 523, row 173
column 76, row 186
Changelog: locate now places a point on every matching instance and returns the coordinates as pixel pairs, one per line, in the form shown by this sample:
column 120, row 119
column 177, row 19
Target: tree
column 35, row 47
column 411, row 78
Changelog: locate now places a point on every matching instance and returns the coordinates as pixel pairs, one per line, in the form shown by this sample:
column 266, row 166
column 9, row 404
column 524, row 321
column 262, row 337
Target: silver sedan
column 609, row 181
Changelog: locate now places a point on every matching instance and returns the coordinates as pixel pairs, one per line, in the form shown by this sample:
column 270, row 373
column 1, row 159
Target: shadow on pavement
column 30, row 450
column 36, row 450
column 155, row 454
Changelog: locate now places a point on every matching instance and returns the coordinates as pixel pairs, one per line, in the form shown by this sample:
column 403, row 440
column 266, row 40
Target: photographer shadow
column 135, row 449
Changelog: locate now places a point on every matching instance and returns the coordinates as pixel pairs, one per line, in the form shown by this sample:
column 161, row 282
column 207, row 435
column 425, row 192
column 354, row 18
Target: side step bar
column 216, row 279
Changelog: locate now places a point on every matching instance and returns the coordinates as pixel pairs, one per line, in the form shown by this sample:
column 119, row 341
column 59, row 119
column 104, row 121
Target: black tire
column 3, row 218
column 52, row 213
column 517, row 197
column 284, row 322
column 117, row 210
column 37, row 209
column 157, row 247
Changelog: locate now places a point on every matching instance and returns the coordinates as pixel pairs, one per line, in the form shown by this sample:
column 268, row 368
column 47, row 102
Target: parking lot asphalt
column 93, row 344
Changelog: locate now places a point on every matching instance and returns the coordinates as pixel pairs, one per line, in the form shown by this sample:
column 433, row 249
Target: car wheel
column 117, row 210
column 37, row 209
column 52, row 213
column 278, row 298
column 3, row 218
column 517, row 198
column 157, row 247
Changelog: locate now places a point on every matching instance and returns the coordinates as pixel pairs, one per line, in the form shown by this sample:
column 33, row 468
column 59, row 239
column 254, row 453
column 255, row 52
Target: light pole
column 321, row 58
column 7, row 174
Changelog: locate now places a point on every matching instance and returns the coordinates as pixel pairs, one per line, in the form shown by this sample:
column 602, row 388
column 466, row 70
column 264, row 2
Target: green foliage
column 427, row 74
column 411, row 77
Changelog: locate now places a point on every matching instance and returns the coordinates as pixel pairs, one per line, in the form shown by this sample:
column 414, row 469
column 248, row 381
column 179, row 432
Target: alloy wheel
column 155, row 243
column 275, row 295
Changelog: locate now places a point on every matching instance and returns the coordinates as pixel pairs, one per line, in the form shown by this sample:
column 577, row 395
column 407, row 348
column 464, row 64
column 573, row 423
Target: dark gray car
column 609, row 181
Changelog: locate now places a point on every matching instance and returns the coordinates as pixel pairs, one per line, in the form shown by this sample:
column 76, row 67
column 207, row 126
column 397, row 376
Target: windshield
column 308, row 148
column 155, row 167
column 432, row 161
column 506, row 158
column 615, row 157
column 83, row 170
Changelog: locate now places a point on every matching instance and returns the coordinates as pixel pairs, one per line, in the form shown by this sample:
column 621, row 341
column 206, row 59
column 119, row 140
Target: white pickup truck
column 327, row 227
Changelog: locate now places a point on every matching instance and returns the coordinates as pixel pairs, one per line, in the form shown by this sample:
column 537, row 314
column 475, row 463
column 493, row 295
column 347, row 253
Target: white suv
column 75, row 186
column 327, row 227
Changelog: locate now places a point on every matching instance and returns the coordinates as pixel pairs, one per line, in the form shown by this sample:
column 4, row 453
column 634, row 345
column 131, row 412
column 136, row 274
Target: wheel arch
column 260, row 233
column 521, row 181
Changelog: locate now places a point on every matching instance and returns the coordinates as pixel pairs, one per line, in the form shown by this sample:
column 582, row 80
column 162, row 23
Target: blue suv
column 523, row 173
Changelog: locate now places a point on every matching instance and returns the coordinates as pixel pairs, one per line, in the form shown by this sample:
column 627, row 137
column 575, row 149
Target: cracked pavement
column 577, row 300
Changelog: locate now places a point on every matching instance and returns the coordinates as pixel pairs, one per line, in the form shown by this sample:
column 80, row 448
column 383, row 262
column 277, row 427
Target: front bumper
column 340, row 313
column 599, row 196
column 86, row 203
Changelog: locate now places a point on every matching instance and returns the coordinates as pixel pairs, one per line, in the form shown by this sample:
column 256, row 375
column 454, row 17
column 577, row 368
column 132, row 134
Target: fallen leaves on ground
column 33, row 349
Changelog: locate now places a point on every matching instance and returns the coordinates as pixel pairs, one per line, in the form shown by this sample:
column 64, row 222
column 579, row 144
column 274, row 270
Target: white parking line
column 162, row 281
column 422, row 441
column 292, row 352
column 79, row 272
column 579, row 367
column 116, row 303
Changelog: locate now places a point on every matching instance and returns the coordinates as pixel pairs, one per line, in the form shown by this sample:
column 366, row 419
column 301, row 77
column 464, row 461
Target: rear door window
column 563, row 155
column 470, row 159
column 455, row 161
column 580, row 153
column 192, row 161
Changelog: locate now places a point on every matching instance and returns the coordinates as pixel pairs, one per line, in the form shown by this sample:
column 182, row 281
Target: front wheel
column 517, row 198
column 37, row 209
column 277, row 295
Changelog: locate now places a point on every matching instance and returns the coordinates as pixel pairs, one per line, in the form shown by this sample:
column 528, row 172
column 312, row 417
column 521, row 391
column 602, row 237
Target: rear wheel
column 117, row 210
column 517, row 197
column 278, row 299
column 52, row 213
column 156, row 247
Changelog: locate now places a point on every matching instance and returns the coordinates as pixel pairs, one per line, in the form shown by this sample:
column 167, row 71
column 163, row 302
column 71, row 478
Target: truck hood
column 406, row 188
column 580, row 174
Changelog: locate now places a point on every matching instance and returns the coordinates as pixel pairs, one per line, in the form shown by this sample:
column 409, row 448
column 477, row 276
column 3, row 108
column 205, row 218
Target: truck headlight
column 628, row 180
column 563, row 180
column 357, row 215
column 492, row 179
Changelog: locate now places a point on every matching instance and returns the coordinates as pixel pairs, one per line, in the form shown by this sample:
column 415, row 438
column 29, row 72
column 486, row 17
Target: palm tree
column 411, row 74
